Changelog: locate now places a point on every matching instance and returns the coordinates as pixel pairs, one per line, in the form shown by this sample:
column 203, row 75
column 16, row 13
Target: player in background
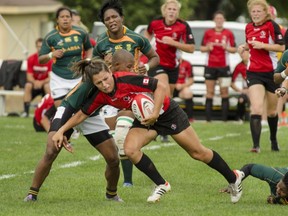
column 115, row 38
column 37, row 77
column 43, row 114
column 243, row 99
column 182, row 87
column 218, row 42
column 119, row 89
column 263, row 46
column 171, row 34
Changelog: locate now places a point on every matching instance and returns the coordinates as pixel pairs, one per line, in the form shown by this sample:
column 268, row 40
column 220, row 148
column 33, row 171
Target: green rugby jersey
column 73, row 43
column 131, row 41
column 78, row 95
column 282, row 63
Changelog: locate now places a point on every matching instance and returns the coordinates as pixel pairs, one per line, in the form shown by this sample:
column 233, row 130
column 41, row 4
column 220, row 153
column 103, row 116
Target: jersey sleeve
column 278, row 37
column 45, row 48
column 188, row 37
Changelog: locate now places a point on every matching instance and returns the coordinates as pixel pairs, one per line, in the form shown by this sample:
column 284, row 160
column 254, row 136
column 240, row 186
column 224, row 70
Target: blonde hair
column 262, row 3
column 163, row 7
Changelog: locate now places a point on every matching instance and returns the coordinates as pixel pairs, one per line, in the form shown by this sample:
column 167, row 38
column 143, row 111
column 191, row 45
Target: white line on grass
column 98, row 157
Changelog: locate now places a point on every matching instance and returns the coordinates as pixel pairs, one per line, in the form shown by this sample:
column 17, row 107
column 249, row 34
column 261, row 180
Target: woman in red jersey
column 263, row 40
column 168, row 31
column 218, row 42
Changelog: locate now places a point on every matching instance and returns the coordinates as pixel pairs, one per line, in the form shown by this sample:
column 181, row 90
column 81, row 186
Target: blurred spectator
column 182, row 87
column 37, row 78
column 76, row 21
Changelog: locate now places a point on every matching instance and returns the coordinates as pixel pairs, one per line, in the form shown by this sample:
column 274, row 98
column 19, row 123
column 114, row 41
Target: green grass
column 80, row 190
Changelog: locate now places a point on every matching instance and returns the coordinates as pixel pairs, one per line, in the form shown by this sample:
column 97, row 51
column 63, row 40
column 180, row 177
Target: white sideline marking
column 98, row 157
column 7, row 176
column 73, row 164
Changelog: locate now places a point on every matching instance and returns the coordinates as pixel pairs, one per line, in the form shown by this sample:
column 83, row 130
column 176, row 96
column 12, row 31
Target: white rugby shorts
column 60, row 86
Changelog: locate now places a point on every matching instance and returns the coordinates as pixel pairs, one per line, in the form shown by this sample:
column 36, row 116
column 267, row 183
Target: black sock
column 273, row 125
column 222, row 167
column 241, row 109
column 146, row 166
column 225, row 108
column 189, row 107
column 34, row 192
column 127, row 167
column 111, row 193
column 26, row 107
column 255, row 127
column 208, row 108
column 247, row 170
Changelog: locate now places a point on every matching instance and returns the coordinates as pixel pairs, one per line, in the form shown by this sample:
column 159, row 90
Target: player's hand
column 58, row 139
column 58, row 53
column 142, row 69
column 67, row 145
column 150, row 120
column 168, row 40
column 280, row 92
column 271, row 199
column 256, row 44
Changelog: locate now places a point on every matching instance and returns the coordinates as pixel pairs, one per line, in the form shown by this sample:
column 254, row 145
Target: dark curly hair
column 285, row 180
column 110, row 4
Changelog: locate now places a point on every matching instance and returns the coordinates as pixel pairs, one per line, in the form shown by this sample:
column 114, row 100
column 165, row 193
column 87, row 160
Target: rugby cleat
column 236, row 188
column 158, row 192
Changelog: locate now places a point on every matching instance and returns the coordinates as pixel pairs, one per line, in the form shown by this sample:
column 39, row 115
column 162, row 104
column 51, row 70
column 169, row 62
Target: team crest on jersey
column 126, row 98
column 280, row 37
column 128, row 47
column 60, row 43
column 145, row 81
column 118, row 47
column 68, row 39
column 75, row 38
column 262, row 34
column 174, row 35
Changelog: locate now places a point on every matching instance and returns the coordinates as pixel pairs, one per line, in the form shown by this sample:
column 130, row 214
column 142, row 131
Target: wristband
column 50, row 55
column 147, row 67
column 283, row 74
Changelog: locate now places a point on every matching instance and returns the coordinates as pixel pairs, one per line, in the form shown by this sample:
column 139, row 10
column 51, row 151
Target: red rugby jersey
column 185, row 71
column 262, row 60
column 179, row 31
column 218, row 56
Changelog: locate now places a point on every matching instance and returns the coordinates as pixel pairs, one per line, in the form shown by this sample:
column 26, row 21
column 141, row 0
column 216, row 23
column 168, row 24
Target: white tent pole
column 24, row 49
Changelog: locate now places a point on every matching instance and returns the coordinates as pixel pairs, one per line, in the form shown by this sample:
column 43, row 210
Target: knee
column 201, row 154
column 113, row 161
column 129, row 152
column 50, row 155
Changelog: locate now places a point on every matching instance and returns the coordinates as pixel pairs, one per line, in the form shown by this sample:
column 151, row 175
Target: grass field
column 76, row 184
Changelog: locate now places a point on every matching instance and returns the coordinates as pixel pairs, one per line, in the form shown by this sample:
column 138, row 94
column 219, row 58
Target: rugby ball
column 142, row 106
